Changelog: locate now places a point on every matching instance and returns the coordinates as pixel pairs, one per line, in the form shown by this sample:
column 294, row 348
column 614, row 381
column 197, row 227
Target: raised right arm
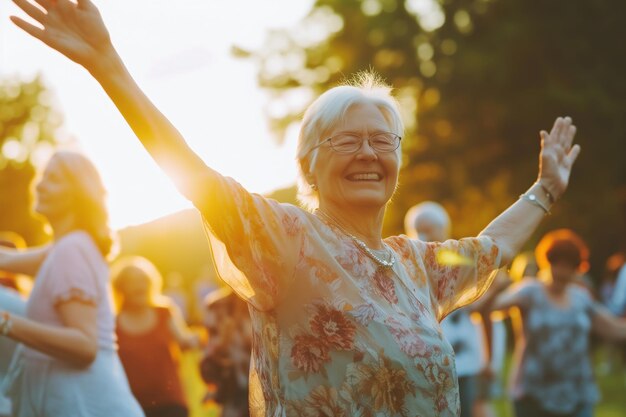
column 77, row 31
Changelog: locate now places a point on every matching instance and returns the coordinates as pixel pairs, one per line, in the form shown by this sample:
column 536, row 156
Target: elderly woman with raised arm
column 345, row 322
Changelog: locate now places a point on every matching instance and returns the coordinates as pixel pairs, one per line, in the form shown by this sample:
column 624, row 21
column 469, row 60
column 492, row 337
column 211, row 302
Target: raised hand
column 74, row 29
column 557, row 156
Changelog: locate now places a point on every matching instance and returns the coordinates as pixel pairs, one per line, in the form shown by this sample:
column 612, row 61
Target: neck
column 135, row 310
column 556, row 288
column 62, row 226
column 364, row 223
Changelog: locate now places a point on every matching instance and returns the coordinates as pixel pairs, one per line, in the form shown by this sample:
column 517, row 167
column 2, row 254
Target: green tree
column 28, row 124
column 476, row 80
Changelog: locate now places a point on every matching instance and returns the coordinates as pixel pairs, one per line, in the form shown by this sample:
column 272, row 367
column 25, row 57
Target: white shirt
column 464, row 336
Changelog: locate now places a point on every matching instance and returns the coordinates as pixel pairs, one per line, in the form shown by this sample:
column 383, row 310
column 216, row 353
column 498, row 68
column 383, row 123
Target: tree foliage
column 28, row 124
column 477, row 80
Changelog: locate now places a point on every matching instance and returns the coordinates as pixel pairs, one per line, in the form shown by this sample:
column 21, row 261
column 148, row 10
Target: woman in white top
column 69, row 366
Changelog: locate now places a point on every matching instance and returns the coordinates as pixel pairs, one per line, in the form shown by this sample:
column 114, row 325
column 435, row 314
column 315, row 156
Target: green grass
column 612, row 385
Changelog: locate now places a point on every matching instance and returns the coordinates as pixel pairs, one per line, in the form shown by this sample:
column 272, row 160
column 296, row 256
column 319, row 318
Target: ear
column 310, row 178
column 308, row 175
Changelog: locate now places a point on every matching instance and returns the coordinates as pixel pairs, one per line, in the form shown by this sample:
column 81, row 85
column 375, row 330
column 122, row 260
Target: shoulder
column 400, row 240
column 165, row 311
column 580, row 293
column 404, row 246
column 76, row 240
column 530, row 284
column 527, row 287
column 74, row 249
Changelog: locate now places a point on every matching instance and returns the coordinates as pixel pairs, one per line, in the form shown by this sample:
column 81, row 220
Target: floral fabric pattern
column 334, row 334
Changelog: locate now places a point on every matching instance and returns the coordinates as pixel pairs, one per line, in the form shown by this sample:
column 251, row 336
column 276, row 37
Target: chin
column 369, row 200
column 39, row 210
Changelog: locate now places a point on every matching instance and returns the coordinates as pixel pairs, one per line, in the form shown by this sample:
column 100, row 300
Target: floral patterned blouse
column 334, row 334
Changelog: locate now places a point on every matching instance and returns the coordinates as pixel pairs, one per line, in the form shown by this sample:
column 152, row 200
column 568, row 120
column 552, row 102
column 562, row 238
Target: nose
column 366, row 151
column 39, row 188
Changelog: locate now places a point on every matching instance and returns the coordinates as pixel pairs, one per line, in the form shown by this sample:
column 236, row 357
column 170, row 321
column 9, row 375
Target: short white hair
column 428, row 211
column 328, row 110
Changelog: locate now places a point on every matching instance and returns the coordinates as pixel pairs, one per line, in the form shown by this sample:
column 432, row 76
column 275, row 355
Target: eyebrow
column 356, row 132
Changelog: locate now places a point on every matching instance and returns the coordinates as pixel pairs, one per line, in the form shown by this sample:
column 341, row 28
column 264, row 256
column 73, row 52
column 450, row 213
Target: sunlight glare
column 181, row 57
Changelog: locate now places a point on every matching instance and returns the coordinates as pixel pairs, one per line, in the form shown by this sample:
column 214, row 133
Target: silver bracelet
column 532, row 199
column 6, row 324
column 547, row 192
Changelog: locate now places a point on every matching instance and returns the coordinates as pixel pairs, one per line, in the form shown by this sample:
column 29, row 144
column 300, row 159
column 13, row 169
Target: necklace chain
column 359, row 243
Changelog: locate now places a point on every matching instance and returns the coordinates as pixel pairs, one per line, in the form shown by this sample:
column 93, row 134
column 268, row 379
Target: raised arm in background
column 23, row 261
column 77, row 31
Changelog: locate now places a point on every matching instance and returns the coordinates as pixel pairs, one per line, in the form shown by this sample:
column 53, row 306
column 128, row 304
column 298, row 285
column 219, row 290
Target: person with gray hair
column 345, row 322
column 429, row 221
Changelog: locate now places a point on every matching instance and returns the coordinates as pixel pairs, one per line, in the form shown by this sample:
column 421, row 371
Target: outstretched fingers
column 32, row 30
column 31, row 10
column 556, row 129
column 84, row 4
column 572, row 155
column 565, row 131
column 569, row 138
column 46, row 4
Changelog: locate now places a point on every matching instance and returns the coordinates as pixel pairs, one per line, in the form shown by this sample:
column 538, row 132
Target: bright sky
column 179, row 53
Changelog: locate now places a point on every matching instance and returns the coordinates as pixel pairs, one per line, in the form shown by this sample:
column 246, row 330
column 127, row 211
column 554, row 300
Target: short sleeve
column 617, row 302
column 71, row 272
column 586, row 301
column 458, row 271
column 255, row 241
column 523, row 292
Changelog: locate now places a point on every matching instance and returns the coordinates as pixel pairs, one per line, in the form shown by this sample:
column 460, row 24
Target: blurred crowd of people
column 554, row 308
column 542, row 308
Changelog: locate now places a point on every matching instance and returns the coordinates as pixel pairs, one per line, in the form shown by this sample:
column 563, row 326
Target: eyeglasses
column 382, row 142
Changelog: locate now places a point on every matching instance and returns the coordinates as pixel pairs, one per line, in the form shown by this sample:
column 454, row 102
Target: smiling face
column 54, row 194
column 361, row 179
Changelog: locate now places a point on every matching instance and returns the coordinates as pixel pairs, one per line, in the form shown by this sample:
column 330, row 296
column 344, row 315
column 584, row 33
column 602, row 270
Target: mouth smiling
column 364, row 176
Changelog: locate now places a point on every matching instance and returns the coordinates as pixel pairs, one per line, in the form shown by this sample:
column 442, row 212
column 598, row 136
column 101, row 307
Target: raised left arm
column 185, row 337
column 515, row 225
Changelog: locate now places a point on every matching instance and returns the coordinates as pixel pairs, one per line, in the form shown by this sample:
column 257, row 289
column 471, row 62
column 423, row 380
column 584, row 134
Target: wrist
column 6, row 323
column 106, row 65
column 547, row 192
column 537, row 196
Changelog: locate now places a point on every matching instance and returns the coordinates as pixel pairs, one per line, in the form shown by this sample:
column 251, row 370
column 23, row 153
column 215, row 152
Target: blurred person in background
column 69, row 365
column 11, row 301
column 11, row 240
column 226, row 360
column 552, row 373
column 468, row 336
column 150, row 330
column 616, row 301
